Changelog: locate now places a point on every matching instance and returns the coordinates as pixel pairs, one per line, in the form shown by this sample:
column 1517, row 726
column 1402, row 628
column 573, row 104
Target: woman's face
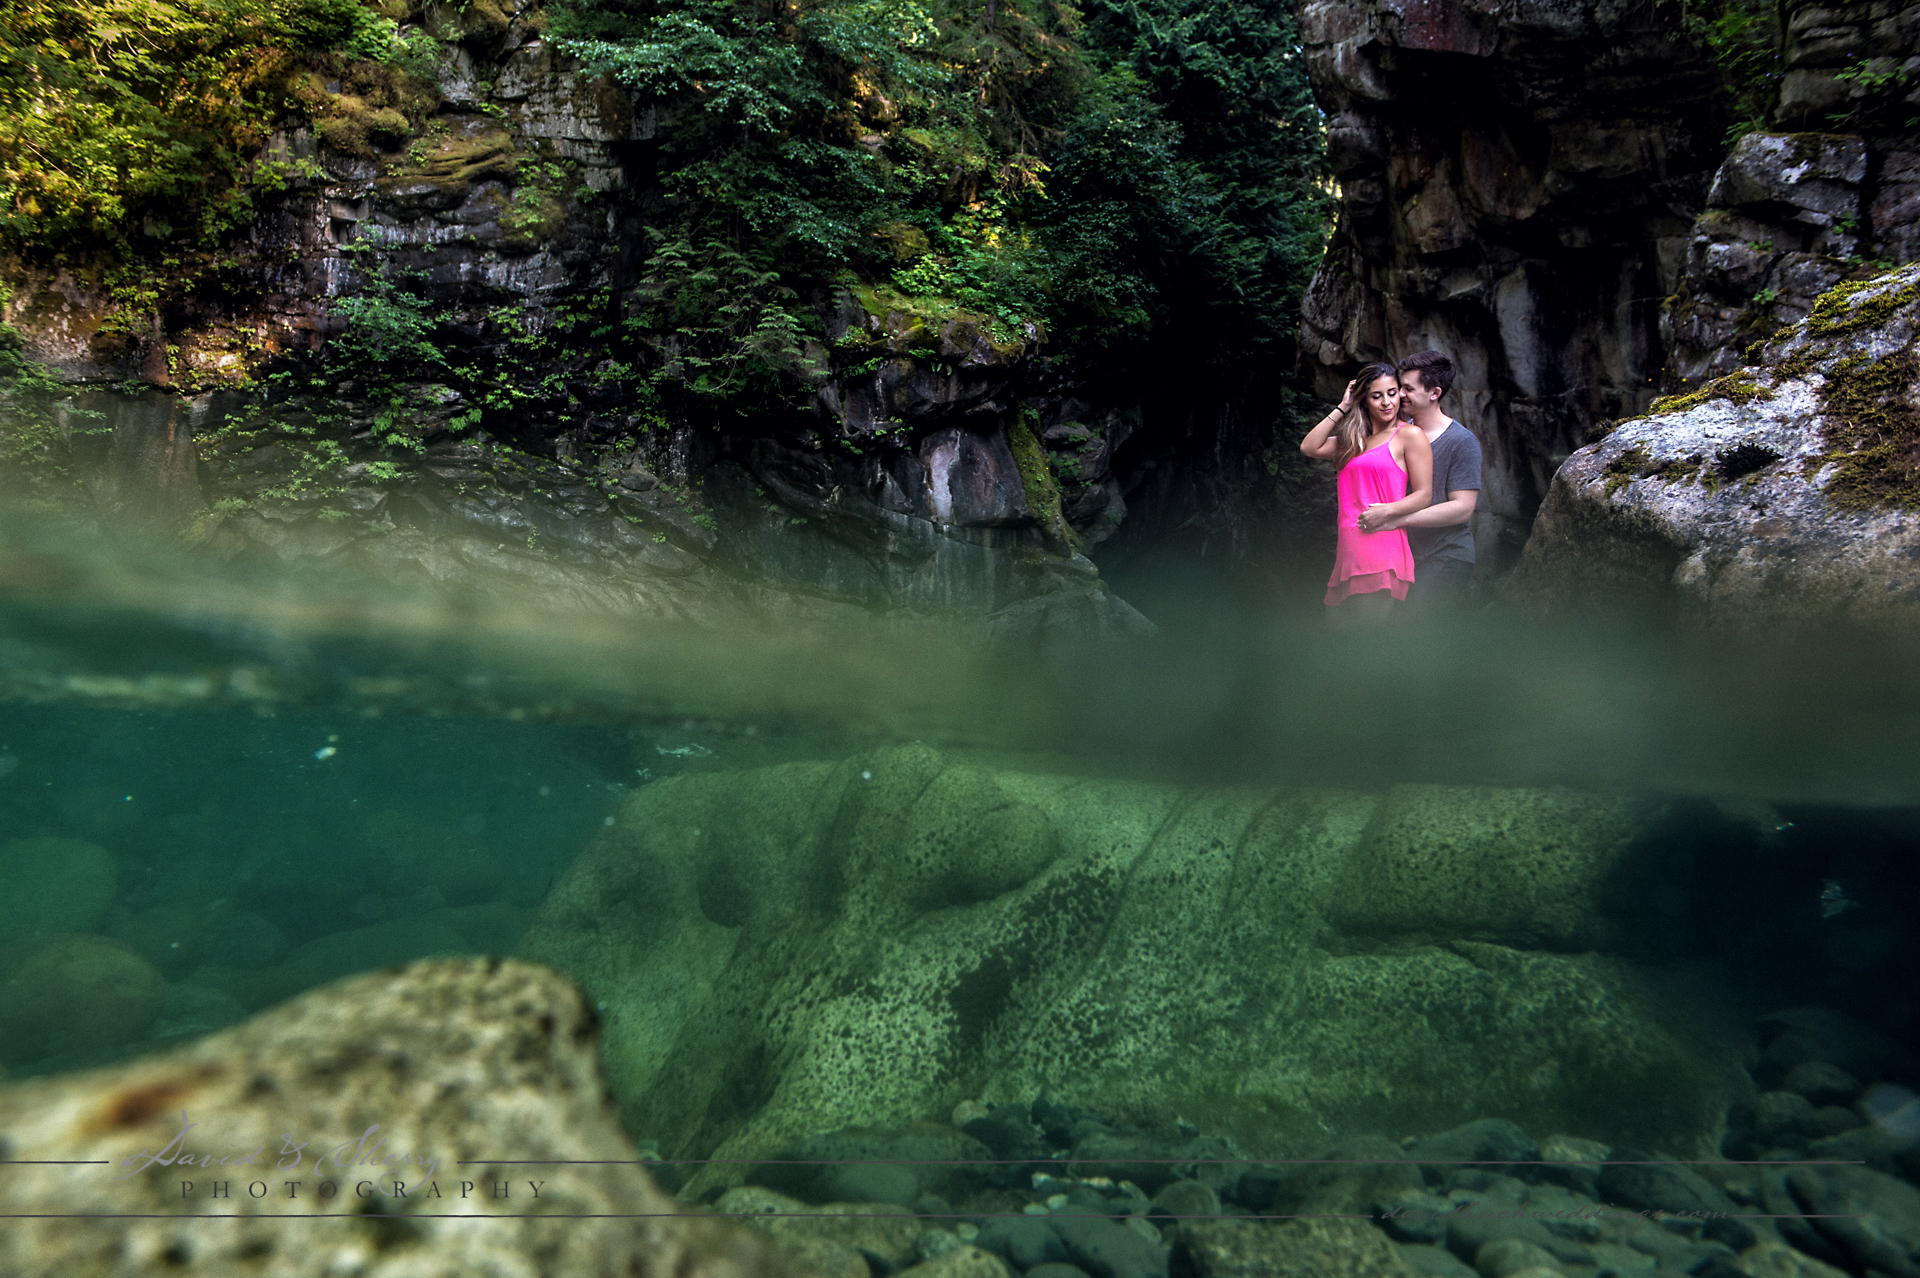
column 1383, row 401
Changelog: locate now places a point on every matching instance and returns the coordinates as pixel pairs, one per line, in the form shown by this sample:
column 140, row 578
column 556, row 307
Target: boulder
column 1325, row 1248
column 822, row 946
column 401, row 1091
column 1785, row 492
column 74, row 996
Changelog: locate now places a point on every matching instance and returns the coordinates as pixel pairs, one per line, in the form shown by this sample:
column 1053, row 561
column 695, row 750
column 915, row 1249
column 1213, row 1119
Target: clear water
column 291, row 778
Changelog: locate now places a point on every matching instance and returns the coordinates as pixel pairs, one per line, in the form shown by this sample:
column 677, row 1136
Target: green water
column 260, row 782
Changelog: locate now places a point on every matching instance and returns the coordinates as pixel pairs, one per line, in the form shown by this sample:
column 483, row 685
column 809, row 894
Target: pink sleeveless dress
column 1364, row 562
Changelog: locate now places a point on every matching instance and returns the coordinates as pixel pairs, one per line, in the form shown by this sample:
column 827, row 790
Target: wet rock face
column 1783, row 492
column 1517, row 183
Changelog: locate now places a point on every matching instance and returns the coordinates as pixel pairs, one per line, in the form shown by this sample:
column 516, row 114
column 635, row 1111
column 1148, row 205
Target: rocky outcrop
column 1786, row 492
column 1781, row 228
column 383, row 1126
column 1517, row 183
column 816, row 946
column 1799, row 207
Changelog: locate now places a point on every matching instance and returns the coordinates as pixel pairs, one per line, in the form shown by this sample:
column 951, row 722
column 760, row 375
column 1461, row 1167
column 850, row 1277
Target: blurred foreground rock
column 414, row 1093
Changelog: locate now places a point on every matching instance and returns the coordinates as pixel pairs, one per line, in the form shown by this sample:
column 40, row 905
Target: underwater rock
column 453, row 1064
column 196, row 1009
column 1777, row 1260
column 820, row 946
column 1107, row 1250
column 836, row 1238
column 1822, row 1083
column 1870, row 1220
column 1346, row 1179
column 1573, row 1163
column 1258, row 1249
column 74, row 995
column 1784, row 492
column 1638, row 1182
column 1493, row 1141
column 383, row 944
column 1795, row 1036
column 877, row 1165
column 1184, row 1198
column 53, row 885
column 1521, row 867
column 1435, row 1262
column 971, row 1262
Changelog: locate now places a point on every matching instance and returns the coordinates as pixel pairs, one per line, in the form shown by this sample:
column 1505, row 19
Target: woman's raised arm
column 1320, row 443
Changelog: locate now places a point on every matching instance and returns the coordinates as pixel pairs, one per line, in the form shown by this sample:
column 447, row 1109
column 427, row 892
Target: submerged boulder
column 399, row 1109
column 818, row 946
column 1786, row 491
column 65, row 994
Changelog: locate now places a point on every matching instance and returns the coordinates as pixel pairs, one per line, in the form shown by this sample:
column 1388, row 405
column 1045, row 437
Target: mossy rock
column 1522, row 867
column 867, row 943
column 364, row 131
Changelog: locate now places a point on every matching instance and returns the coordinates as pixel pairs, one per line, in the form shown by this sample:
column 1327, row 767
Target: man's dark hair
column 1434, row 368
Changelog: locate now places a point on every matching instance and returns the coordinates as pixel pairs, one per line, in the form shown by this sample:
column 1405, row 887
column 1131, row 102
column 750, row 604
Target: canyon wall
column 1517, row 185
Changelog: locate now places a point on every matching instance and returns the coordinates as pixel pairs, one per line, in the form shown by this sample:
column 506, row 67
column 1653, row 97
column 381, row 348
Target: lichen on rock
column 1784, row 492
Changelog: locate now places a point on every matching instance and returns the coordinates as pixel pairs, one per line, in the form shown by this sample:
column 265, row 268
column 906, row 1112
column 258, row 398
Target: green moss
column 1872, row 430
column 1043, row 491
column 1626, row 468
column 1739, row 387
column 1837, row 311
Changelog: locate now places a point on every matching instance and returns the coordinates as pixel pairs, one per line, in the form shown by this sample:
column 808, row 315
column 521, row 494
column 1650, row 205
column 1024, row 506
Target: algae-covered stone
column 820, row 946
column 1518, row 866
column 426, row 1076
column 53, row 885
column 63, row 994
column 831, row 1237
column 1323, row 1248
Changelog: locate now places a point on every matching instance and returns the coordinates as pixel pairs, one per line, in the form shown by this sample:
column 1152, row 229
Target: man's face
column 1413, row 395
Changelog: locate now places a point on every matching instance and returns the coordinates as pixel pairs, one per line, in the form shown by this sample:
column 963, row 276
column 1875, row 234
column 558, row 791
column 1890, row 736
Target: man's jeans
column 1440, row 584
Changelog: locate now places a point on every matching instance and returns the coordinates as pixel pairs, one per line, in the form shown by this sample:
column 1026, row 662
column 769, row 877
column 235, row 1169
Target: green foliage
column 1237, row 187
column 1745, row 38
column 131, row 122
column 1151, row 167
column 1880, row 86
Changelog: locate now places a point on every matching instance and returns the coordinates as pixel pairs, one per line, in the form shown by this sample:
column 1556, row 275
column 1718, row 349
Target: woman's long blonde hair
column 1353, row 428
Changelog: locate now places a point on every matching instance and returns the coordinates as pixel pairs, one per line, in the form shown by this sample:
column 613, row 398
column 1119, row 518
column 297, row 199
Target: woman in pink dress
column 1385, row 471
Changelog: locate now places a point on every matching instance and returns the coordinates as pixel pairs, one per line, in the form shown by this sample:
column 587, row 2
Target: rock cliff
column 1517, row 183
column 1829, row 190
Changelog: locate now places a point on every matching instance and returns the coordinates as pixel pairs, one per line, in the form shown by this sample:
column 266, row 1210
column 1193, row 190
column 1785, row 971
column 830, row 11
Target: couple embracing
column 1399, row 452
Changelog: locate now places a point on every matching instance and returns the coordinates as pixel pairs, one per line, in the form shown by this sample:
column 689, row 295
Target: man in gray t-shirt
column 1440, row 536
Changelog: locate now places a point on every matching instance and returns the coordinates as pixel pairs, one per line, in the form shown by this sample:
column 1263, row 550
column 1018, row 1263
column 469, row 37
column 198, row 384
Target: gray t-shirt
column 1456, row 465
